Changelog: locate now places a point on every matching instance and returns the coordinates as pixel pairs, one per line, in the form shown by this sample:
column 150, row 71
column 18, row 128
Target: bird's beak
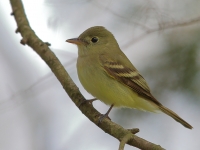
column 76, row 41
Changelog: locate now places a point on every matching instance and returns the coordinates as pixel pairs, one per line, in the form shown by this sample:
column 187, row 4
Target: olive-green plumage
column 106, row 73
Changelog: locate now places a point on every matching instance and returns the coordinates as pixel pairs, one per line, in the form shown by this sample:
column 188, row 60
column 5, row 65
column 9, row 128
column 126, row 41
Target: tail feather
column 175, row 116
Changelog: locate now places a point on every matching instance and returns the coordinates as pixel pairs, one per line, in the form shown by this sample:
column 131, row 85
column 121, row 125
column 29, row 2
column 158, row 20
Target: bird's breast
column 99, row 84
column 108, row 90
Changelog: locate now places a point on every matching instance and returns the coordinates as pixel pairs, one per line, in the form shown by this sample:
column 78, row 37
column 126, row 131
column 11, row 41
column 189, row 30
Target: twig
column 30, row 38
column 134, row 130
column 125, row 139
column 144, row 27
column 163, row 27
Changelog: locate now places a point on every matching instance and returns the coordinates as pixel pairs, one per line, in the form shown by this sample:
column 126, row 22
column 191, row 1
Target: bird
column 107, row 74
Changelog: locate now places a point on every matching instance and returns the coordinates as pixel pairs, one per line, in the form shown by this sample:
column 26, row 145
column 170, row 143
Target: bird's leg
column 106, row 114
column 90, row 101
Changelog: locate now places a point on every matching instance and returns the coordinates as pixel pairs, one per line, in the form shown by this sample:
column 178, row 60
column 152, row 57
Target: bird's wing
column 128, row 76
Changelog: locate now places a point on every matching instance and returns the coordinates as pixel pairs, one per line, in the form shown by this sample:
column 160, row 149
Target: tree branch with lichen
column 41, row 48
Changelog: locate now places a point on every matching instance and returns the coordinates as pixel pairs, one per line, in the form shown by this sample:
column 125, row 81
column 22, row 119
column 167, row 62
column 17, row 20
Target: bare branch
column 164, row 26
column 124, row 141
column 142, row 26
column 31, row 39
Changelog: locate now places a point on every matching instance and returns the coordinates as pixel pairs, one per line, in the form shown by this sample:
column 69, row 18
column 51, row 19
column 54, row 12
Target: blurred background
column 36, row 113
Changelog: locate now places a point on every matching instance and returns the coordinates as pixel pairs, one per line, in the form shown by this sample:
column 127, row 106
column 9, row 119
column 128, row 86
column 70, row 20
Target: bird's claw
column 102, row 117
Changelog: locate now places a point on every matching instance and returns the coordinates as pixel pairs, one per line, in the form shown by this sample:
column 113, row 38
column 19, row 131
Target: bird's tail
column 175, row 116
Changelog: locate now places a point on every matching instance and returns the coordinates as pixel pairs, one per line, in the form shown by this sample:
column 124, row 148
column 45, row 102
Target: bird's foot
column 102, row 117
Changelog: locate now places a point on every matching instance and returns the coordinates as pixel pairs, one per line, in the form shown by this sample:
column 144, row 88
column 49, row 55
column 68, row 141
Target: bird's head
column 95, row 40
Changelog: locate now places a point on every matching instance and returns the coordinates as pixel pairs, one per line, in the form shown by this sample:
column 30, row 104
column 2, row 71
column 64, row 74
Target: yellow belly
column 110, row 91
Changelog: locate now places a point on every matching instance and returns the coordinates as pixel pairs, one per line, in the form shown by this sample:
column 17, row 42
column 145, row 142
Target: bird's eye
column 94, row 39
